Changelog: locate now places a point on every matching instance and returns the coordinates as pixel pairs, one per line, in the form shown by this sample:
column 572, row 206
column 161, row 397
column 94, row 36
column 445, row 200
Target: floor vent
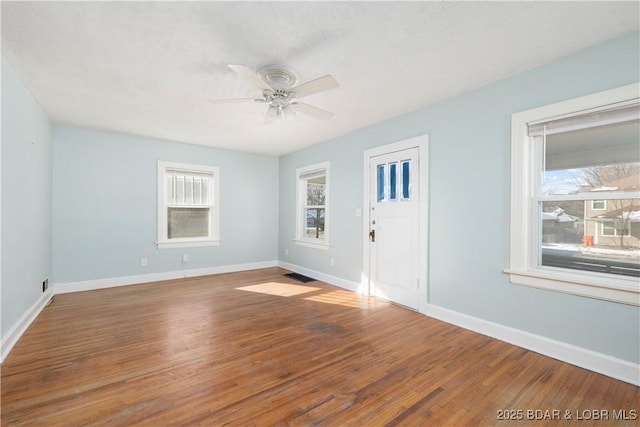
column 300, row 277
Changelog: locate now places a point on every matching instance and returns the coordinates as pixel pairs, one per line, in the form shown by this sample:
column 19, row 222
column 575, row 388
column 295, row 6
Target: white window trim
column 603, row 208
column 300, row 238
column 163, row 241
column 523, row 269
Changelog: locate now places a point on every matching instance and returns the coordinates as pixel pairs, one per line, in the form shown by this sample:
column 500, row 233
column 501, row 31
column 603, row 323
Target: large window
column 312, row 206
column 575, row 197
column 188, row 208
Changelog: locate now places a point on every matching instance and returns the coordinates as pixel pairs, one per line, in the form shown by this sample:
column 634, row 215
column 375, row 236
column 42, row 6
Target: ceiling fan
column 279, row 91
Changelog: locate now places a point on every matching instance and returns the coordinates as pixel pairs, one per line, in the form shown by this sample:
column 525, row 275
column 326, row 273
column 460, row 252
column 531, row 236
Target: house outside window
column 188, row 205
column 615, row 224
column 575, row 197
column 610, row 228
column 312, row 206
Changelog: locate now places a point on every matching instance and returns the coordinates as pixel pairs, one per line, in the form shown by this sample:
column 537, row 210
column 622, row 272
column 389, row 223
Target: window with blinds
column 188, row 204
column 588, row 213
column 575, row 196
column 312, row 205
column 187, row 211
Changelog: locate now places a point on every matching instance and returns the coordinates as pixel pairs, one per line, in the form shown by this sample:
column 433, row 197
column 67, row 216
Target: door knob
column 372, row 235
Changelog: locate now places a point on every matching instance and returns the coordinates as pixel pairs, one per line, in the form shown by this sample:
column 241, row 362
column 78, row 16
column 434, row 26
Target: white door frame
column 422, row 143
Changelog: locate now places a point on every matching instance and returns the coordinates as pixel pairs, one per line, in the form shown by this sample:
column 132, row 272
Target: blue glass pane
column 393, row 173
column 405, row 180
column 380, row 183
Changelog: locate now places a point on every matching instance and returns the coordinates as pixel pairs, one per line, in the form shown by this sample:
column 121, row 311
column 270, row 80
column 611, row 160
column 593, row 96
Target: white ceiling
column 149, row 68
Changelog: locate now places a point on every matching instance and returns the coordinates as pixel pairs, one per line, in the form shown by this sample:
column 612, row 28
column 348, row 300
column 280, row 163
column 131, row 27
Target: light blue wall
column 469, row 138
column 26, row 199
column 105, row 209
column 104, row 213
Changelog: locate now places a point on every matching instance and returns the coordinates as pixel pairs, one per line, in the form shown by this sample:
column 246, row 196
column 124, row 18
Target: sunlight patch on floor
column 348, row 299
column 279, row 289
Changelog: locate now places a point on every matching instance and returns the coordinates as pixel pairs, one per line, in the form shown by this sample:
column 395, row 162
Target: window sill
column 187, row 244
column 311, row 244
column 620, row 290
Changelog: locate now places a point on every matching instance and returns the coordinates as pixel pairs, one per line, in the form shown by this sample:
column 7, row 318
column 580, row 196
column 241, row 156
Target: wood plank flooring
column 258, row 348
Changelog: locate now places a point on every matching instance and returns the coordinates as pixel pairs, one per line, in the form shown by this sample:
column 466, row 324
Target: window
column 608, row 229
column 188, row 207
column 312, row 206
column 615, row 228
column 575, row 196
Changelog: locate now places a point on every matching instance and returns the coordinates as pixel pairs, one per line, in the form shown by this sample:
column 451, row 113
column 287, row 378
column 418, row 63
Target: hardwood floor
column 257, row 348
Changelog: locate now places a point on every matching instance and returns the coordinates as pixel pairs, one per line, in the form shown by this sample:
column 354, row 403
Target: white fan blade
column 312, row 111
column 252, row 77
column 314, row 86
column 228, row 101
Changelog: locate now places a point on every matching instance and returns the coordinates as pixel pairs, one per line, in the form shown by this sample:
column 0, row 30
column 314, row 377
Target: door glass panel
column 393, row 173
column 380, row 184
column 405, row 180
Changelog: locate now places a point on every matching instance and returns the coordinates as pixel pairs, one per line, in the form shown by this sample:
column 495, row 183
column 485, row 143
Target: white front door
column 394, row 226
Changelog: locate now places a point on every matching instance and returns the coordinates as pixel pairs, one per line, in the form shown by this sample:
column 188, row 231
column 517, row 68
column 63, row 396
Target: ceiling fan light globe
column 288, row 112
column 272, row 114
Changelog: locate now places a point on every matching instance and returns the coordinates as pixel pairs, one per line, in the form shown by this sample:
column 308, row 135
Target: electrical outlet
column 45, row 285
column 185, row 258
column 286, row 252
column 332, row 261
column 143, row 262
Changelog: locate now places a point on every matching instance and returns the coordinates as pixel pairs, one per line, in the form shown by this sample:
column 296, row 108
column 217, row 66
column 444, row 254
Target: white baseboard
column 607, row 365
column 88, row 285
column 16, row 331
column 333, row 280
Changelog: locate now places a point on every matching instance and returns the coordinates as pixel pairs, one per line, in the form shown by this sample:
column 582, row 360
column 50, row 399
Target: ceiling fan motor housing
column 278, row 77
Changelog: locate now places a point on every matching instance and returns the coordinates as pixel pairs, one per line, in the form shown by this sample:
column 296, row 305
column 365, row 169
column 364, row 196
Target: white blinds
column 600, row 137
column 617, row 113
column 177, row 172
column 188, row 188
column 313, row 174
